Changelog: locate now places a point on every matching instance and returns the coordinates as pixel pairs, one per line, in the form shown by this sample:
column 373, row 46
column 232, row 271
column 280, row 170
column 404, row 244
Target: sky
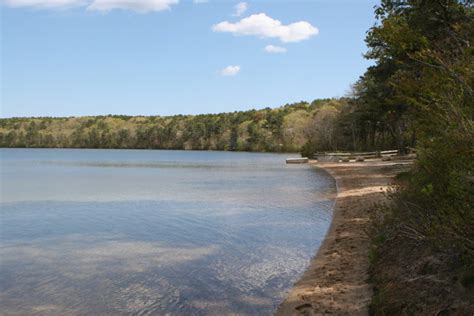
column 165, row 57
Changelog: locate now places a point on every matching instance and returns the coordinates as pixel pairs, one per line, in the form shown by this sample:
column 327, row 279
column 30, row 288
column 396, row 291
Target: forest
column 283, row 129
column 326, row 122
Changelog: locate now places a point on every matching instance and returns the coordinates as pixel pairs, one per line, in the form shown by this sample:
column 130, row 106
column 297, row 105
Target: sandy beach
column 336, row 281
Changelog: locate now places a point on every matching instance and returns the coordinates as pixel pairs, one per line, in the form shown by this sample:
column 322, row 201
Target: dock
column 297, row 160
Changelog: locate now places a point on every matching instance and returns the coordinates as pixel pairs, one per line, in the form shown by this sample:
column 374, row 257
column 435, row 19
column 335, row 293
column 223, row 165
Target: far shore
column 336, row 281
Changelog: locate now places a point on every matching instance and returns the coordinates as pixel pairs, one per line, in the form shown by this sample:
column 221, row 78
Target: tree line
column 323, row 125
column 283, row 129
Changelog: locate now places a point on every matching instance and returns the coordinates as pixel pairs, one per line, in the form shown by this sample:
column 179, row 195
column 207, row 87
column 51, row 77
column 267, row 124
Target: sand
column 336, row 281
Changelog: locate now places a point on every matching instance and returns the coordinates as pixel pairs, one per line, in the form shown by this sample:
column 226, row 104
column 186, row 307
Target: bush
column 308, row 150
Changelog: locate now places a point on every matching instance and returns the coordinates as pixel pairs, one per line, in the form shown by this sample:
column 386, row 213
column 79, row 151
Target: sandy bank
column 336, row 280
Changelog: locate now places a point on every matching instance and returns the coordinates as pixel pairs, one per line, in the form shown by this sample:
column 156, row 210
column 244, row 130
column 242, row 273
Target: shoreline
column 336, row 280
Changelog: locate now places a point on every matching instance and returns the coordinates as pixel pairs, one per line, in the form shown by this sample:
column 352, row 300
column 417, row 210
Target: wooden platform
column 297, row 160
column 358, row 156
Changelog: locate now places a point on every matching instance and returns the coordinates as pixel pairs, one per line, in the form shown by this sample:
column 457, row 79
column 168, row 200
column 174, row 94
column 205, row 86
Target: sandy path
column 336, row 280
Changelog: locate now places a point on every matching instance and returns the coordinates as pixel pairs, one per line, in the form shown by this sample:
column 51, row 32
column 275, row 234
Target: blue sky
column 163, row 57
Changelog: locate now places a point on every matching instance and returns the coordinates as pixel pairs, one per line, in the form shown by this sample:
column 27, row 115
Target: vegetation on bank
column 421, row 90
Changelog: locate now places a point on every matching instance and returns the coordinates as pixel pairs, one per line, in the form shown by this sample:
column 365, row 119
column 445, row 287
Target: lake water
column 142, row 232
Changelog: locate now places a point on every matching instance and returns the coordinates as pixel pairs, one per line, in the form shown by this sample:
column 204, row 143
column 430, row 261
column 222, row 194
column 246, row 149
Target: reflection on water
column 153, row 232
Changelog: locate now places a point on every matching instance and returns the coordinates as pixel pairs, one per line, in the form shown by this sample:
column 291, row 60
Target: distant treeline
column 282, row 129
column 328, row 122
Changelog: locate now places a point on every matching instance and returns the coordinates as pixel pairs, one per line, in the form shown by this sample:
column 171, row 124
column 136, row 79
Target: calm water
column 112, row 232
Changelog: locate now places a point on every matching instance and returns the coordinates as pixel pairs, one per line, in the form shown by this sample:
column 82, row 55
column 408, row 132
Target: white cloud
column 240, row 8
column 44, row 4
column 140, row 6
column 275, row 49
column 264, row 26
column 230, row 70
